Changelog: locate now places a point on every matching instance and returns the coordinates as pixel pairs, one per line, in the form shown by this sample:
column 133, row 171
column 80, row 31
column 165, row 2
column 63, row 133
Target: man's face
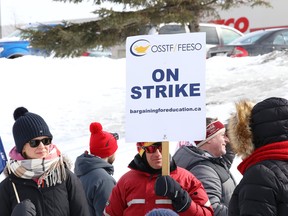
column 217, row 145
column 111, row 159
column 154, row 158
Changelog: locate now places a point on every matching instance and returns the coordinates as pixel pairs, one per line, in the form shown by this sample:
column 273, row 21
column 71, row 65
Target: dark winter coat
column 260, row 135
column 96, row 177
column 263, row 190
column 65, row 199
column 212, row 172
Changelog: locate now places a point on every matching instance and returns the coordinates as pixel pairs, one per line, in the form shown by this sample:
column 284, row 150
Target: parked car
column 98, row 52
column 253, row 44
column 13, row 46
column 215, row 34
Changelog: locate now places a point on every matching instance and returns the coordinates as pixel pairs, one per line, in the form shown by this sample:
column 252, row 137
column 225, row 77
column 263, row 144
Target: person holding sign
column 39, row 181
column 143, row 188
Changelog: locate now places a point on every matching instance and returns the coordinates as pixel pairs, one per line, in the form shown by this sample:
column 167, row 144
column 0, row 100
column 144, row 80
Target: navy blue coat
column 96, row 177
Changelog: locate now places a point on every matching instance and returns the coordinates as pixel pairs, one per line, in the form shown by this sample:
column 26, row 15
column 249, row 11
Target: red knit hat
column 102, row 144
column 212, row 130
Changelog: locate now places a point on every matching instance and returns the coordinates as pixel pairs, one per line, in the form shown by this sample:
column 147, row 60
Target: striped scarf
column 49, row 171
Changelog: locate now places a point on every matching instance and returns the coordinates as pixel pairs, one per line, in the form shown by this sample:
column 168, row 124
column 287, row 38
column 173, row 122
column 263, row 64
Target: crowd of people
column 39, row 180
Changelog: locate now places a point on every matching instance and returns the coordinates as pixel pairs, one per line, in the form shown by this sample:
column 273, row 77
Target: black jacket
column 65, row 199
column 259, row 134
column 262, row 191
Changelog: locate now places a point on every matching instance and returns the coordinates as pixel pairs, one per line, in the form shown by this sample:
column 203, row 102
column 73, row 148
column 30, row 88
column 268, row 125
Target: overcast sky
column 14, row 12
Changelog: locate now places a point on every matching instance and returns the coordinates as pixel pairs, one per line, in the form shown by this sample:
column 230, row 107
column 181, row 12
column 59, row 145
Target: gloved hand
column 167, row 186
column 24, row 208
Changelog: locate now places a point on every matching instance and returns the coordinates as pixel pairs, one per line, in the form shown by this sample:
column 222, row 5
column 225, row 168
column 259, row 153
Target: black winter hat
column 28, row 126
column 254, row 126
column 269, row 121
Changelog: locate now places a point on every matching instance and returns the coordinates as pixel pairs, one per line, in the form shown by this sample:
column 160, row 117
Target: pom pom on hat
column 212, row 130
column 20, row 111
column 102, row 144
column 28, row 126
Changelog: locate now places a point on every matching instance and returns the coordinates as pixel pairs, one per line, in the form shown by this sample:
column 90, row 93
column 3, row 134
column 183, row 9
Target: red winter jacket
column 134, row 195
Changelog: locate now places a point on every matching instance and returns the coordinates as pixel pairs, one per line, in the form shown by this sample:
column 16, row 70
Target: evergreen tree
column 113, row 27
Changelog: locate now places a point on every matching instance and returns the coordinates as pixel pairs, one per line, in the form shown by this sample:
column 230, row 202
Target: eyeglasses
column 36, row 143
column 152, row 148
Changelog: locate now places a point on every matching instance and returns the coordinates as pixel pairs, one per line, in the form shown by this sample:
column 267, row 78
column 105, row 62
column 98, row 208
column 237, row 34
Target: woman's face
column 37, row 148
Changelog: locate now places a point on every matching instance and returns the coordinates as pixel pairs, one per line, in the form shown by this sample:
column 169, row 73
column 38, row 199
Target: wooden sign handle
column 165, row 159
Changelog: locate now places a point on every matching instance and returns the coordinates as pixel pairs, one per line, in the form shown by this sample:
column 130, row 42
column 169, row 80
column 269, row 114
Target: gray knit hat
column 28, row 126
column 161, row 212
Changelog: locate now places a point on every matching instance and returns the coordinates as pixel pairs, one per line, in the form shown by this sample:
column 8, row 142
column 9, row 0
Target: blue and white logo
column 140, row 47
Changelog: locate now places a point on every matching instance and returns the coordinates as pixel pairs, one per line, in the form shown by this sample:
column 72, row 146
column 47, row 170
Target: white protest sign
column 165, row 87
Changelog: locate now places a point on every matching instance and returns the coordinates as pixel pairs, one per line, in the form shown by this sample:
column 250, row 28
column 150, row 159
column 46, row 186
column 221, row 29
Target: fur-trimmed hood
column 239, row 131
column 253, row 126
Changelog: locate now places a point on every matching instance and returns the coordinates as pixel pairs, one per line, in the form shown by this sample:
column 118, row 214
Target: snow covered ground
column 71, row 93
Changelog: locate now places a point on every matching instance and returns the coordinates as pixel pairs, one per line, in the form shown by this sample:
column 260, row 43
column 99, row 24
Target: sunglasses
column 115, row 135
column 36, row 143
column 152, row 148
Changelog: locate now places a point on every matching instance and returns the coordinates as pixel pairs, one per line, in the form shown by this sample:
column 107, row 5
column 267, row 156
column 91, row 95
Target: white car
column 215, row 34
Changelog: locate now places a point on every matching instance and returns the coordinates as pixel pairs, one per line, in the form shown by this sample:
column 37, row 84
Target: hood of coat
column 253, row 126
column 185, row 156
column 86, row 163
column 239, row 131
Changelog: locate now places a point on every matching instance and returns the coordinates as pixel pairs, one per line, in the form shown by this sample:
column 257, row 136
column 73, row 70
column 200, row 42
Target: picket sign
column 165, row 90
column 3, row 157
